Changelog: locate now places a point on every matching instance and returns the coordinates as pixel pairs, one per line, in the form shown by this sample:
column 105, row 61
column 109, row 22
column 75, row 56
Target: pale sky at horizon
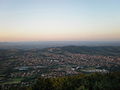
column 59, row 20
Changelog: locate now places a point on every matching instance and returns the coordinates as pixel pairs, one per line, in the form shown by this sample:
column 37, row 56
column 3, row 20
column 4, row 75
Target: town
column 22, row 67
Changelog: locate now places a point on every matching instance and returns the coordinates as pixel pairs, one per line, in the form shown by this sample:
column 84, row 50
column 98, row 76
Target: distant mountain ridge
column 46, row 44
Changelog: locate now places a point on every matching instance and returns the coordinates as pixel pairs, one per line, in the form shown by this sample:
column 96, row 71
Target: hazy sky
column 53, row 20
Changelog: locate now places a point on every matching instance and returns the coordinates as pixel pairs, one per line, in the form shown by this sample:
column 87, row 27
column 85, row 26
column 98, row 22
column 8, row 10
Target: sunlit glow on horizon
column 61, row 20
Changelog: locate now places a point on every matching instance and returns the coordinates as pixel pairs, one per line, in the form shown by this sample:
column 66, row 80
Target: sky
column 59, row 20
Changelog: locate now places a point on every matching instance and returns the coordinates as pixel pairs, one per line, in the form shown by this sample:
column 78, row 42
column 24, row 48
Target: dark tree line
column 96, row 81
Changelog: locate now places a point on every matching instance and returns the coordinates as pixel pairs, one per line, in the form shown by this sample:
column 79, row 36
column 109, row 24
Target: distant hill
column 94, row 50
column 46, row 44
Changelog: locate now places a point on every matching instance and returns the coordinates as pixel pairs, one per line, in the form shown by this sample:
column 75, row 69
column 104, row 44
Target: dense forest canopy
column 95, row 81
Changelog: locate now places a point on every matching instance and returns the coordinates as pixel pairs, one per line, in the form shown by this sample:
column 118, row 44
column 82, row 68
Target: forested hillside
column 101, row 50
column 96, row 81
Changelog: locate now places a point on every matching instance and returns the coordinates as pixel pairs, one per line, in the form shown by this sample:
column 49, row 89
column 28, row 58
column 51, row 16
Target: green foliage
column 96, row 81
column 43, row 84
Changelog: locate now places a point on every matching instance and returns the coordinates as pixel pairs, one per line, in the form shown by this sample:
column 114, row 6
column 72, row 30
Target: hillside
column 94, row 50
column 96, row 81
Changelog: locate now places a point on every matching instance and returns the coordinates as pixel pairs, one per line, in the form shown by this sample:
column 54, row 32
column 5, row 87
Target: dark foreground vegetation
column 95, row 81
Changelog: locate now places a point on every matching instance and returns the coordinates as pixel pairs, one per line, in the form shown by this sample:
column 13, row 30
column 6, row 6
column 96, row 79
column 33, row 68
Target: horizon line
column 63, row 41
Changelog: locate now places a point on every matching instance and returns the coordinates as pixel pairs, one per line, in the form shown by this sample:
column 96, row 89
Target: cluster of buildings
column 56, row 64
